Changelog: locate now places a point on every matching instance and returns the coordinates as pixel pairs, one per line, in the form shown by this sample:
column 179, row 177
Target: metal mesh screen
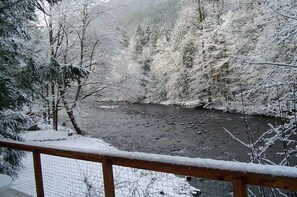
column 62, row 177
column 70, row 177
column 138, row 183
column 25, row 182
column 255, row 191
column 212, row 188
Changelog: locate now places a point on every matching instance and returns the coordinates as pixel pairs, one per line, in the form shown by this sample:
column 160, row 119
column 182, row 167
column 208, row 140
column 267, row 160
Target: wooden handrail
column 240, row 174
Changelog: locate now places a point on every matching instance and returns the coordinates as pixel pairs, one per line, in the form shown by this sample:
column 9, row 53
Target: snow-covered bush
column 11, row 123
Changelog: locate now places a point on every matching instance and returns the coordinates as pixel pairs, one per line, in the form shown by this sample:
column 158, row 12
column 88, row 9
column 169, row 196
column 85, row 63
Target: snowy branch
column 274, row 64
column 286, row 15
column 93, row 92
column 246, row 145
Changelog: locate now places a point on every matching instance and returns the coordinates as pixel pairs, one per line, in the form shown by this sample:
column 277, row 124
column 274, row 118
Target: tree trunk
column 54, row 111
column 71, row 115
column 44, row 104
column 79, row 87
column 200, row 12
column 52, row 52
column 48, row 103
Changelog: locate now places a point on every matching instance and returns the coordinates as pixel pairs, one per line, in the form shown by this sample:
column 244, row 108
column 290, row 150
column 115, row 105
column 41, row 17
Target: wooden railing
column 239, row 174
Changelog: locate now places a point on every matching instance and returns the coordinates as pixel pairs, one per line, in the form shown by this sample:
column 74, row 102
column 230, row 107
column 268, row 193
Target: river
column 173, row 130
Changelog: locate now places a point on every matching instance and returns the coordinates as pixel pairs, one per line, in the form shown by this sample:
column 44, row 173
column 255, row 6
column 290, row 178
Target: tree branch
column 93, row 92
column 274, row 64
column 285, row 15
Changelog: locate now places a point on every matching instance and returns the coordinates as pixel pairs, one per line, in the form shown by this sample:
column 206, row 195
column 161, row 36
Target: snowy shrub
column 11, row 123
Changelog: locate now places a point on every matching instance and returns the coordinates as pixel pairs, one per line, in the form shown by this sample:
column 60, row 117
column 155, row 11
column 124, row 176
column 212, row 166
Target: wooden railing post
column 239, row 187
column 108, row 178
column 38, row 173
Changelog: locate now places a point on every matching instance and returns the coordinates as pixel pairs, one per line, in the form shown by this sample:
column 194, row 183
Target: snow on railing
column 238, row 173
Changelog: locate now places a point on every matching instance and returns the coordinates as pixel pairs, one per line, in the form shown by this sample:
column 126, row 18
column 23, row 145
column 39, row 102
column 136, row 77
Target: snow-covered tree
column 213, row 43
column 11, row 124
column 14, row 16
column 72, row 41
column 136, row 43
column 15, row 89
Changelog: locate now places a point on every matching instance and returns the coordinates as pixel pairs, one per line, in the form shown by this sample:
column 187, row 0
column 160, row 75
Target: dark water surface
column 172, row 130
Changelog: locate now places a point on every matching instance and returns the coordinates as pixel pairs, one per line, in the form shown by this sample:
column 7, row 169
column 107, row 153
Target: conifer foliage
column 13, row 16
column 15, row 20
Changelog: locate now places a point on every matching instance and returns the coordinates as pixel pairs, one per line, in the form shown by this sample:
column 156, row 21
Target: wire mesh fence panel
column 134, row 182
column 255, row 191
column 25, row 182
column 212, row 188
column 71, row 177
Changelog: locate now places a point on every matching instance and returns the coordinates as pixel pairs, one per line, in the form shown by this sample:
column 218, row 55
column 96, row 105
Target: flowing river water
column 173, row 130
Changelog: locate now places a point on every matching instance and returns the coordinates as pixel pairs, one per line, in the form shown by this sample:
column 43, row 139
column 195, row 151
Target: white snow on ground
column 68, row 177
column 109, row 106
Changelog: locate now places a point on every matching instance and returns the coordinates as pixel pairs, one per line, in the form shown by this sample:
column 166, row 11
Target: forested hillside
column 220, row 54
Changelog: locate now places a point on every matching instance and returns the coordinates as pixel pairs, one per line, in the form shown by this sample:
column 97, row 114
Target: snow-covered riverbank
column 230, row 107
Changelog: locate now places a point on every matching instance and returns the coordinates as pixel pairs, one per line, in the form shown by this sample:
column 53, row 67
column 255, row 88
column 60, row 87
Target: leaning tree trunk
column 71, row 115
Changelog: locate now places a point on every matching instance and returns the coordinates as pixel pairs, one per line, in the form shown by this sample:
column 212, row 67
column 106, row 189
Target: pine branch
column 9, row 5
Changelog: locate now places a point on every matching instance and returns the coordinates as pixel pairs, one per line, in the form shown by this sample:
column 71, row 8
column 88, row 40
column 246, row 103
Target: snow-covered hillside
column 221, row 54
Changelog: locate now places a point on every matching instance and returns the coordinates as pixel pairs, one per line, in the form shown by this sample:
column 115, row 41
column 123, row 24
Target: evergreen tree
column 12, row 17
column 136, row 43
column 153, row 37
column 122, row 36
column 15, row 18
column 167, row 33
column 188, row 55
column 146, row 35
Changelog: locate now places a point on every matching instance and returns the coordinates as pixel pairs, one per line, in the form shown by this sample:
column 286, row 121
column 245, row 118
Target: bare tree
column 67, row 41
